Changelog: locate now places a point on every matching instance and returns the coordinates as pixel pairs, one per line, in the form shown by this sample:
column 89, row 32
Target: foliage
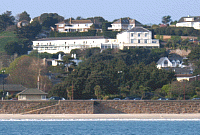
column 175, row 31
column 25, row 70
column 6, row 20
column 101, row 69
column 49, row 16
column 98, row 91
column 24, row 16
column 105, row 26
column 29, row 32
column 5, row 38
column 12, row 47
column 166, row 19
column 108, row 34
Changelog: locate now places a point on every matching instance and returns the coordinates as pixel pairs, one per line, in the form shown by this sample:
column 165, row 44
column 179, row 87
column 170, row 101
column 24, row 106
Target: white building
column 137, row 37
column 189, row 21
column 124, row 24
column 74, row 25
column 170, row 62
column 66, row 44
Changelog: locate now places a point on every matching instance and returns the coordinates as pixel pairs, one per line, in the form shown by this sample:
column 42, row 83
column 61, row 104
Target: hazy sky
column 145, row 11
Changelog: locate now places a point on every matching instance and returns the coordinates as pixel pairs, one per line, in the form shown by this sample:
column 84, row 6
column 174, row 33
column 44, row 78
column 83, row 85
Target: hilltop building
column 189, row 21
column 124, row 24
column 137, row 37
column 73, row 25
column 133, row 38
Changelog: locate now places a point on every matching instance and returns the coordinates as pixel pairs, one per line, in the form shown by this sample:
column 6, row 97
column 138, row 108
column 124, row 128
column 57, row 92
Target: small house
column 32, row 94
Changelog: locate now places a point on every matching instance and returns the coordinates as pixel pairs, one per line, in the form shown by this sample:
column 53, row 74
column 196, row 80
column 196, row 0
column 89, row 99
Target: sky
column 144, row 11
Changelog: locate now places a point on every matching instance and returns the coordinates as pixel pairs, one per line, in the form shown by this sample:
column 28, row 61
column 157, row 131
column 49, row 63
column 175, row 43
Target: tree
column 105, row 26
column 30, row 31
column 166, row 19
column 49, row 16
column 12, row 47
column 98, row 91
column 25, row 70
column 6, row 19
column 79, row 18
column 24, row 16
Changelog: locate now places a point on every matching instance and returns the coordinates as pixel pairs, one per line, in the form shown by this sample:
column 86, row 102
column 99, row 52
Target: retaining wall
column 99, row 107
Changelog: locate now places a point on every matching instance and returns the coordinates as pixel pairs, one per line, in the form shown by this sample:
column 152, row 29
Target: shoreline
column 100, row 116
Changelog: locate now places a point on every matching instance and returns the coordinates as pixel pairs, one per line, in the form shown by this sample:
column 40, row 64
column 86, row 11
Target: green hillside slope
column 6, row 37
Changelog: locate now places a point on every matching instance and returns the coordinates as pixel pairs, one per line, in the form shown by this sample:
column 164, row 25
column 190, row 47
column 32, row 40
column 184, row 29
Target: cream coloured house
column 189, row 21
column 32, row 94
column 124, row 24
column 73, row 25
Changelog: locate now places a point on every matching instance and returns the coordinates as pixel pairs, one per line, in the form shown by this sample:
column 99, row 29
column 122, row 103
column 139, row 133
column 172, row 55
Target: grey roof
column 127, row 21
column 32, row 91
column 174, row 56
column 69, row 22
column 138, row 29
column 196, row 19
column 161, row 59
column 12, row 87
column 72, row 38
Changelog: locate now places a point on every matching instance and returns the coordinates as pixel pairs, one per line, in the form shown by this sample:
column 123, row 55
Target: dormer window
column 188, row 19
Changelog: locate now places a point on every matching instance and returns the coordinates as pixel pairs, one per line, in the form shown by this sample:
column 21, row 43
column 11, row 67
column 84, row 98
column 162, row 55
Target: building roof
column 138, row 29
column 161, row 60
column 72, row 38
column 12, row 87
column 69, row 22
column 174, row 56
column 127, row 21
column 32, row 91
column 196, row 19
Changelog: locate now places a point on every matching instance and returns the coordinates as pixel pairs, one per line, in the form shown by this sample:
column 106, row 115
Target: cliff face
column 180, row 52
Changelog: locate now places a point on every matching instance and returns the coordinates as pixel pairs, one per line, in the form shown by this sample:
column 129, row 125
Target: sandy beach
column 100, row 116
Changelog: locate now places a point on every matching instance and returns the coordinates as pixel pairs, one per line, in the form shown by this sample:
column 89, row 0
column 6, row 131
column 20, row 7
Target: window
column 138, row 40
column 132, row 41
column 146, row 34
column 145, row 41
column 43, row 97
column 131, row 34
column 138, row 34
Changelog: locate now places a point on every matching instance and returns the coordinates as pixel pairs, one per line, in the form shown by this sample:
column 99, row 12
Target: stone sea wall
column 99, row 107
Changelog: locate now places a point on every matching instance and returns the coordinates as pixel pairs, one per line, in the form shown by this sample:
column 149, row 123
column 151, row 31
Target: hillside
column 6, row 37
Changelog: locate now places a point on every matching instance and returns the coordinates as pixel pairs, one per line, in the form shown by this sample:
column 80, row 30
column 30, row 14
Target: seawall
column 99, row 107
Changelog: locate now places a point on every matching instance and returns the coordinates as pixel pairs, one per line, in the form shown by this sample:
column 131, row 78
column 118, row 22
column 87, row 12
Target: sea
column 100, row 127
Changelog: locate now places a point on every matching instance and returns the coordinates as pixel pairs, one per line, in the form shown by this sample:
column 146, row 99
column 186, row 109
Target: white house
column 189, row 21
column 124, row 24
column 137, row 37
column 170, row 62
column 74, row 25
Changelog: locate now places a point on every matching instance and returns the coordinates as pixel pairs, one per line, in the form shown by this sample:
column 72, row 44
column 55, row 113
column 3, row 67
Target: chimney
column 70, row 20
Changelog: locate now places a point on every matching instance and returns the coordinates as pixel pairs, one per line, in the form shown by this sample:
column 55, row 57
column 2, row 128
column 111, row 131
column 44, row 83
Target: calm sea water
column 99, row 127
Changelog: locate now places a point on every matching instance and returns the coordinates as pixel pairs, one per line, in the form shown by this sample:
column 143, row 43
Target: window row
column 139, row 34
column 138, row 41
